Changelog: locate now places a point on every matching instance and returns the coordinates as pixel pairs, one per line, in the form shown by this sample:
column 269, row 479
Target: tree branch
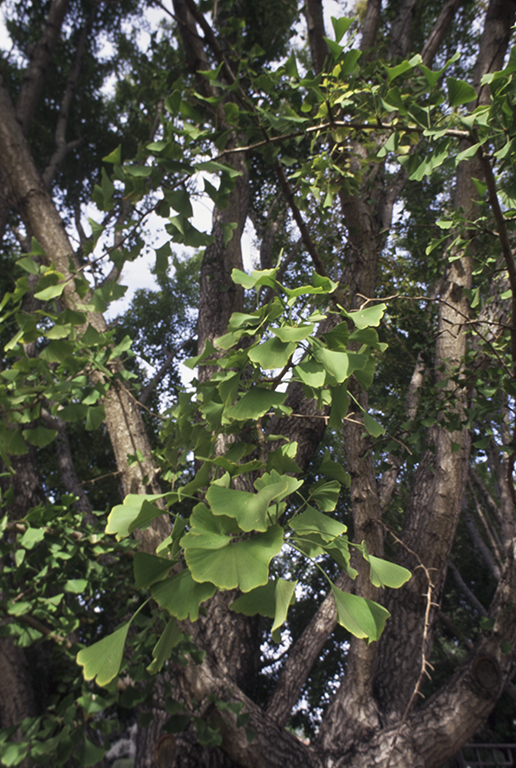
column 66, row 465
column 481, row 547
column 39, row 64
column 316, row 33
column 371, row 25
column 303, row 654
column 272, row 747
column 466, row 591
column 439, row 30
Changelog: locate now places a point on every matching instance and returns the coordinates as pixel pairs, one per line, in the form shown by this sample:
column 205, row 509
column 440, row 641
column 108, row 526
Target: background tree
column 376, row 169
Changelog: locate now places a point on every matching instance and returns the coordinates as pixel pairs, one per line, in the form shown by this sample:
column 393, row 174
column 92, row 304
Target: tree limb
column 303, row 654
column 39, row 64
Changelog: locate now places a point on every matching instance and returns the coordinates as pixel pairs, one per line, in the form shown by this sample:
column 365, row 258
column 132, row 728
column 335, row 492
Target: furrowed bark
column 219, row 296
column 232, row 641
column 315, row 26
column 401, row 29
column 353, row 712
column 17, row 697
column 39, row 64
column 69, row 476
column 32, row 86
column 454, row 714
column 272, row 747
column 436, row 497
column 371, row 24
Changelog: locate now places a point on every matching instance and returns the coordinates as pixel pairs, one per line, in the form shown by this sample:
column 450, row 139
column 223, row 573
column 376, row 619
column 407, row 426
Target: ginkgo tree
column 351, row 420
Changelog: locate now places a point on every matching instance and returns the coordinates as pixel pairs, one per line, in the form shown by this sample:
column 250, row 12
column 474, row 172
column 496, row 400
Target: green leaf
column 39, row 436
column 363, row 618
column 466, row 154
column 74, row 412
column 29, row 265
column 261, row 600
column 88, row 753
column 57, row 351
column 284, row 597
column 291, row 66
column 181, row 596
column 320, row 285
column 95, row 415
column 341, row 26
column 123, row 515
column 363, row 318
column 255, row 403
column 326, row 495
column 146, row 515
column 206, row 735
column 334, row 470
column 13, row 754
column 75, row 586
column 460, row 92
column 114, row 157
column 173, row 102
column 148, row 569
column 383, row 573
column 102, row 660
column 293, row 333
column 311, row 373
column 339, row 405
column 272, row 354
column 52, row 292
column 336, row 363
column 31, row 537
column 250, row 509
column 312, row 521
column 404, row 66
column 243, row 564
column 283, row 459
column 162, row 650
column 256, row 279
column 372, row 426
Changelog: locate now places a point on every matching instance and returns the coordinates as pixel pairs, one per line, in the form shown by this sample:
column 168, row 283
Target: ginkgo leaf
column 243, row 564
column 123, row 515
column 285, row 591
column 170, row 637
column 102, row 660
column 313, row 521
column 272, row 354
column 384, row 573
column 255, row 403
column 249, row 509
column 363, row 618
column 181, row 596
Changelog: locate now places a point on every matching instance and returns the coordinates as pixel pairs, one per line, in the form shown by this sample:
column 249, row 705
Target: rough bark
column 315, row 26
column 32, row 87
column 401, row 29
column 220, row 297
column 371, row 24
column 436, row 497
